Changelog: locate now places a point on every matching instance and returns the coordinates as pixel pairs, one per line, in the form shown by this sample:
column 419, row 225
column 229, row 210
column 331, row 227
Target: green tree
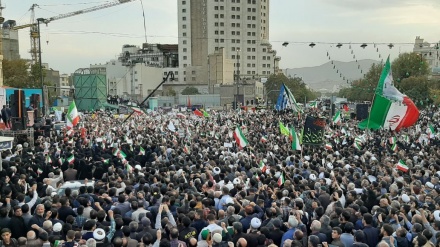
column 190, row 91
column 296, row 85
column 35, row 76
column 409, row 65
column 16, row 73
column 170, row 92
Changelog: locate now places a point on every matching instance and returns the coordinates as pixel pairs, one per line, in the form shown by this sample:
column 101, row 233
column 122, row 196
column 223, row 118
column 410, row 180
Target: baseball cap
column 99, row 234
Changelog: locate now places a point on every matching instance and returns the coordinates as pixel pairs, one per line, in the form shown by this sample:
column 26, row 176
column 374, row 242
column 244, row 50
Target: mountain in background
column 325, row 77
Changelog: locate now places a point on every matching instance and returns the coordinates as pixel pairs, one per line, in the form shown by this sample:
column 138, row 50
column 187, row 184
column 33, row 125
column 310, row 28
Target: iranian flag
column 430, row 130
column 197, row 112
column 337, row 118
column 402, row 166
column 313, row 104
column 394, row 147
column 262, row 166
column 393, row 140
column 71, row 159
column 137, row 110
column 48, row 159
column 141, row 151
column 240, row 138
column 328, row 146
column 72, row 116
column 116, row 152
column 281, row 180
column 39, row 171
column 263, row 139
column 357, row 145
column 391, row 109
column 123, row 155
column 60, row 161
column 295, row 140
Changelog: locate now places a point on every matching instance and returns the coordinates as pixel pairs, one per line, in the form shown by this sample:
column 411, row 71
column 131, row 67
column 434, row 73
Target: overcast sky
column 97, row 37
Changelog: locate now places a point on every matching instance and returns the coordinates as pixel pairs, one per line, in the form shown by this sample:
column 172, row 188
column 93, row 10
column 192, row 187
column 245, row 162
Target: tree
column 296, row 85
column 190, row 91
column 16, row 73
column 407, row 65
column 410, row 77
column 170, row 92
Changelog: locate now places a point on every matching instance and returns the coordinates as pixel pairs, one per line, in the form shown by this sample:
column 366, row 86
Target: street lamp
column 237, row 78
column 267, row 94
column 41, row 66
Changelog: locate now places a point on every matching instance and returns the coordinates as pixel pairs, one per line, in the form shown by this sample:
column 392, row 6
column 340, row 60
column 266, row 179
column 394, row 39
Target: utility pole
column 2, row 19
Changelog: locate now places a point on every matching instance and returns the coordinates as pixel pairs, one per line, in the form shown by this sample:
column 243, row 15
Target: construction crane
column 2, row 19
column 34, row 25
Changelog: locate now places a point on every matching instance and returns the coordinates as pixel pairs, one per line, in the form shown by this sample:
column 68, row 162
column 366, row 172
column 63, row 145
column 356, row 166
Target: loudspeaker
column 361, row 111
column 17, row 123
column 35, row 101
column 17, row 104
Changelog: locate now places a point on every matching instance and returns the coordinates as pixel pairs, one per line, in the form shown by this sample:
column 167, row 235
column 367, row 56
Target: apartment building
column 236, row 29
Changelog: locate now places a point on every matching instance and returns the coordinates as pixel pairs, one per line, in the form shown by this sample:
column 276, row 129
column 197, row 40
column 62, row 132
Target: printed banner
column 313, row 133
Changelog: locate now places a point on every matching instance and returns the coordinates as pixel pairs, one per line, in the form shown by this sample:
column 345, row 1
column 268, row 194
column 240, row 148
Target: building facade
column 239, row 27
column 11, row 48
column 430, row 52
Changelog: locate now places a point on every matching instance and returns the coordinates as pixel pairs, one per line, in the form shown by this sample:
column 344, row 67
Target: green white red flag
column 72, row 116
column 240, row 139
column 391, row 110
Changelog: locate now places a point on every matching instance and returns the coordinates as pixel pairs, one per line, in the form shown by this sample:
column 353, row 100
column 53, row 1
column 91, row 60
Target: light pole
column 43, row 98
column 237, row 77
column 267, row 94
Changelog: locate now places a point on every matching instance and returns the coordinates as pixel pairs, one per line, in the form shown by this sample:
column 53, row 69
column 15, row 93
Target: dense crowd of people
column 180, row 180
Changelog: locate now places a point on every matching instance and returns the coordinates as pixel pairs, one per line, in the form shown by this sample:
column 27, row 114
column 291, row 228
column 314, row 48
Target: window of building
column 238, row 32
column 253, row 65
column 216, row 40
column 183, row 2
column 238, row 41
column 248, row 72
column 268, row 65
column 222, row 24
column 264, row 49
column 253, row 72
column 232, row 24
column 248, row 65
column 216, row 24
column 184, row 72
column 249, row 25
column 185, row 57
column 184, row 42
column 176, row 72
column 184, row 34
column 184, row 65
column 184, row 49
column 184, row 78
column 253, row 57
column 232, row 48
column 216, row 32
column 249, row 41
column 249, row 49
column 232, row 32
column 249, row 10
column 233, row 8
column 222, row 32
column 253, row 49
column 254, row 34
column 184, row 18
column 216, row 48
column 264, row 65
column 216, row 16
column 222, row 41
column 238, row 24
column 183, row 10
column 222, row 7
column 193, row 72
column 254, row 18
column 249, row 17
column 232, row 16
column 248, row 57
column 254, row 41
column 233, row 56
column 184, row 26
column 264, row 72
column 249, row 33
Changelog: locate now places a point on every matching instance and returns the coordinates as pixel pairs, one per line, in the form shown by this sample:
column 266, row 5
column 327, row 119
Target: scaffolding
column 27, row 134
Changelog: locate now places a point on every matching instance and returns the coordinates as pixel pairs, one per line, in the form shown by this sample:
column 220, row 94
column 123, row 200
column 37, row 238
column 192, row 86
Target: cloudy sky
column 97, row 37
